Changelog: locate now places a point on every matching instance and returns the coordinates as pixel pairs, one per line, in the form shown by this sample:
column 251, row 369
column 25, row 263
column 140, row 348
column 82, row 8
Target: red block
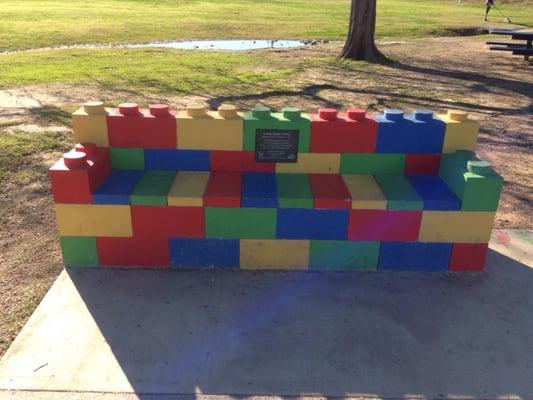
column 351, row 132
column 422, row 164
column 168, row 222
column 386, row 225
column 154, row 128
column 75, row 176
column 223, row 189
column 329, row 191
column 468, row 256
column 238, row 161
column 133, row 252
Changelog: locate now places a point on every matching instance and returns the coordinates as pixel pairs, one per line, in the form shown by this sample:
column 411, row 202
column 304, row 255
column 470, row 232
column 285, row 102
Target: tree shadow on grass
column 313, row 93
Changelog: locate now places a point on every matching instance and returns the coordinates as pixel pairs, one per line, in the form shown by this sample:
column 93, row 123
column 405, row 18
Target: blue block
column 259, row 189
column 403, row 256
column 176, row 160
column 419, row 132
column 117, row 188
column 204, row 253
column 435, row 193
column 314, row 224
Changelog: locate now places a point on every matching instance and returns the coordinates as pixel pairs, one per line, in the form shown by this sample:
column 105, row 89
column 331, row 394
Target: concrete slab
column 211, row 333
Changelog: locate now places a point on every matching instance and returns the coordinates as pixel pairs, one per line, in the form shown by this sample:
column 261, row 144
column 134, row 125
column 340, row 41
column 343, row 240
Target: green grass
column 20, row 152
column 147, row 70
column 39, row 23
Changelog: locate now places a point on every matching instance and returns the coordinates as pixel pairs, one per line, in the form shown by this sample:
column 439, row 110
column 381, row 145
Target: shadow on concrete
column 334, row 334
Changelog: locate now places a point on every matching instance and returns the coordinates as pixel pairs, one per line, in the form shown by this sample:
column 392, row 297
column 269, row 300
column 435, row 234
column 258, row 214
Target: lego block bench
column 263, row 190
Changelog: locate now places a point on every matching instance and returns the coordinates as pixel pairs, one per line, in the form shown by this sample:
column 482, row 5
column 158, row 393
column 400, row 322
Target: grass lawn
column 39, row 23
column 151, row 70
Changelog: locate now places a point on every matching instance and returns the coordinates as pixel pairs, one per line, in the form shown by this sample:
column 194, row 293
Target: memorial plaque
column 276, row 145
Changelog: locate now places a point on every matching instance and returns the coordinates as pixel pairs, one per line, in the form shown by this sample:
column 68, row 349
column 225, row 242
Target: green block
column 451, row 164
column 126, row 158
column 290, row 119
column 474, row 181
column 481, row 193
column 372, row 163
column 240, row 223
column 294, row 191
column 79, row 251
column 400, row 194
column 152, row 189
column 344, row 255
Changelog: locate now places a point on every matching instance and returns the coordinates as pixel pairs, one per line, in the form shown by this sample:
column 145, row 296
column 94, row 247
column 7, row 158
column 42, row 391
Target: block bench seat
column 203, row 189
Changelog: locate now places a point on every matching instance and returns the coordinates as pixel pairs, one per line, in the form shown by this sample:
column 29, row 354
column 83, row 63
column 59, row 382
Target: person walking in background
column 488, row 5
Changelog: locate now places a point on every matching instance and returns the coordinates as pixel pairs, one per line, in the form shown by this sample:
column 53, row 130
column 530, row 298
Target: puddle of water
column 216, row 45
column 226, row 44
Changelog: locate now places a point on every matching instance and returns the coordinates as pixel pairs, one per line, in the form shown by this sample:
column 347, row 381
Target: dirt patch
column 438, row 73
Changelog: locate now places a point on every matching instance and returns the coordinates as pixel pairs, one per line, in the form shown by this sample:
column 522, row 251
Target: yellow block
column 456, row 226
column 188, row 189
column 461, row 132
column 274, row 254
column 366, row 193
column 90, row 125
column 200, row 129
column 93, row 220
column 313, row 163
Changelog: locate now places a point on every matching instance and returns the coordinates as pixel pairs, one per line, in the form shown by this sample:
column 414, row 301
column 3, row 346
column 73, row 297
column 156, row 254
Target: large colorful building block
column 400, row 194
column 468, row 257
column 274, row 254
column 93, row 220
column 153, row 188
column 372, row 164
column 127, row 158
column 422, row 164
column 89, row 124
column 157, row 221
column 238, row 161
column 456, row 226
column 398, row 256
column 204, row 253
column 290, row 119
column 420, row 132
column 352, row 132
column 78, row 173
column 259, row 189
column 79, row 251
column 188, row 189
column 117, row 187
column 344, row 255
column 223, row 189
column 365, row 192
column 316, row 163
column 474, row 181
column 133, row 251
column 240, row 223
column 434, row 193
column 200, row 129
column 327, row 191
column 294, row 191
column 176, row 160
column 384, row 225
column 128, row 125
column 461, row 132
column 314, row 224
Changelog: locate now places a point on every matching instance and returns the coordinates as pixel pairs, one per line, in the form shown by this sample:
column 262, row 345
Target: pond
column 215, row 45
column 227, row 44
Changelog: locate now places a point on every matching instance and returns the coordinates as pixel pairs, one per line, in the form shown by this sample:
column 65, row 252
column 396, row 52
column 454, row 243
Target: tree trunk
column 360, row 41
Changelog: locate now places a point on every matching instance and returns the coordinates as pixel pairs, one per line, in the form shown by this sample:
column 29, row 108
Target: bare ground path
column 438, row 73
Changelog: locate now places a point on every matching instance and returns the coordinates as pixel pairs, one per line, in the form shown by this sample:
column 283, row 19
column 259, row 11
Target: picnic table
column 517, row 48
